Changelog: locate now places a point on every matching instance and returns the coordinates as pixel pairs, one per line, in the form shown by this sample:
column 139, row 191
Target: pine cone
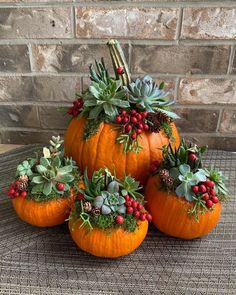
column 168, row 182
column 164, row 173
column 23, row 183
column 96, row 211
column 157, row 120
column 87, row 207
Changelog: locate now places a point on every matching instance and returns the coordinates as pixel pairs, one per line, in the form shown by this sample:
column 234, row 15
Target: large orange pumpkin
column 43, row 214
column 101, row 243
column 170, row 213
column 102, row 150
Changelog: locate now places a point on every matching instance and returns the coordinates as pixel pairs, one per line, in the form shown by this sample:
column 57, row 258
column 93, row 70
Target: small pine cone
column 164, row 173
column 169, row 182
column 23, row 183
column 96, row 211
column 156, row 125
column 87, row 207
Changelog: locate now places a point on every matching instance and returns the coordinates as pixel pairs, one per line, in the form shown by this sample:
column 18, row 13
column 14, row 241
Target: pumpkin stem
column 118, row 60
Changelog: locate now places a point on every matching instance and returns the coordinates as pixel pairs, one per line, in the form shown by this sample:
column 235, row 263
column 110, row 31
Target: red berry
column 128, row 203
column 75, row 113
column 133, row 112
column 129, row 210
column 60, row 186
column 205, row 197
column 11, row 191
column 128, row 128
column 16, row 194
column 137, row 214
column 192, row 157
column 140, row 126
column 134, row 136
column 80, row 196
column 139, row 131
column 140, row 207
column 209, row 204
column 119, row 219
column 70, row 111
column 149, row 217
column 125, row 120
column 123, row 113
column 120, row 70
column 209, row 183
column 144, row 114
column 145, row 127
column 215, row 200
column 195, row 188
column 17, row 183
column 24, row 194
column 202, row 188
column 138, row 117
column 127, row 197
column 134, row 120
column 134, row 204
column 118, row 119
column 142, row 216
column 212, row 192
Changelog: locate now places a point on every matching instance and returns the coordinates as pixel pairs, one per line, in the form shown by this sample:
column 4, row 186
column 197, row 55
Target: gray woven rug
column 46, row 261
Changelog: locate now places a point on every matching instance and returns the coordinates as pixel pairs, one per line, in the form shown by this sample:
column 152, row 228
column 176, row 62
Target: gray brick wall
column 46, row 46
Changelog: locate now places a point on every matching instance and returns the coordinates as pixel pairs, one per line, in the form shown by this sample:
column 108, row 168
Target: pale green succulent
column 187, row 180
column 147, row 95
column 102, row 98
column 110, row 203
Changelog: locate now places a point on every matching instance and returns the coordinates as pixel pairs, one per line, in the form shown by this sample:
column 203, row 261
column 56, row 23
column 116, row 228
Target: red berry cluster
column 135, row 208
column 15, row 192
column 76, row 108
column 154, row 166
column 207, row 191
column 133, row 122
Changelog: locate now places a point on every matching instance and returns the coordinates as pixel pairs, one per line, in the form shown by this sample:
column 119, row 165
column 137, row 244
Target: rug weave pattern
column 46, row 261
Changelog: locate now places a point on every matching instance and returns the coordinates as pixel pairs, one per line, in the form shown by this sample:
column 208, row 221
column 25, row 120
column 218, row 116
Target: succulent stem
column 118, row 60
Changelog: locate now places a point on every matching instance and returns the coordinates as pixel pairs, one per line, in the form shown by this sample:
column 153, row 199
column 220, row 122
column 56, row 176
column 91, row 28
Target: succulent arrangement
column 183, row 173
column 132, row 106
column 107, row 202
column 46, row 176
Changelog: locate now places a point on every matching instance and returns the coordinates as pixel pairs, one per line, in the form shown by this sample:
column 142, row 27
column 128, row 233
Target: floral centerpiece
column 45, row 186
column 109, row 219
column 119, row 122
column 183, row 196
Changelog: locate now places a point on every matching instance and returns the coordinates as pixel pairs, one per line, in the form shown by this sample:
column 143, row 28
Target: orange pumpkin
column 170, row 213
column 43, row 214
column 112, row 244
column 102, row 150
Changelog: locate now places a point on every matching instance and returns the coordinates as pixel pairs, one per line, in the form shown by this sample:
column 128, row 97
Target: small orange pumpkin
column 170, row 213
column 102, row 150
column 113, row 244
column 43, row 214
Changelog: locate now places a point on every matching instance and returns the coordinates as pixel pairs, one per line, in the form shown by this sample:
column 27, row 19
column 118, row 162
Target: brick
column 53, row 118
column 228, row 121
column 207, row 91
column 35, row 23
column 69, row 58
column 41, row 88
column 214, row 142
column 19, row 116
column 180, row 59
column 27, row 137
column 14, row 58
column 197, row 120
column 209, row 23
column 234, row 64
column 114, row 22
